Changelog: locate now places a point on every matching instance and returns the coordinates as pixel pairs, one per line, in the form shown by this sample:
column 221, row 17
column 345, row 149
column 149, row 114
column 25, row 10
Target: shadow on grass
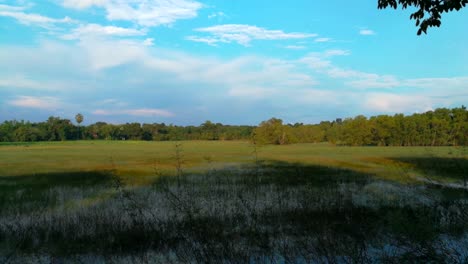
column 34, row 187
column 279, row 173
column 56, row 179
column 438, row 167
column 285, row 173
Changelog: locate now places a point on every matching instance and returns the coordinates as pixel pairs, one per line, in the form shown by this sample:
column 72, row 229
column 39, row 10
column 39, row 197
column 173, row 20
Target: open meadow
column 231, row 202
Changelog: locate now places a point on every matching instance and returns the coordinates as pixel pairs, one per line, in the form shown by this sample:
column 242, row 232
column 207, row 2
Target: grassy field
column 231, row 202
column 139, row 158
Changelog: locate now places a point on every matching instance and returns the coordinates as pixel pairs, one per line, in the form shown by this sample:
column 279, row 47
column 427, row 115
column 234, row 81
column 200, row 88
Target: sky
column 184, row 62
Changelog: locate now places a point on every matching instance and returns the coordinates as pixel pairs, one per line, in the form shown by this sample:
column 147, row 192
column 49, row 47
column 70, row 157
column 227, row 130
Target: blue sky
column 230, row 61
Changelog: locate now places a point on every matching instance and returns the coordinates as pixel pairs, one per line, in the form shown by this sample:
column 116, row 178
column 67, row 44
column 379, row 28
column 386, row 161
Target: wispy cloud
column 95, row 30
column 219, row 15
column 80, row 4
column 22, row 82
column 103, row 53
column 336, row 52
column 322, row 63
column 143, row 112
column 251, row 92
column 207, row 40
column 460, row 83
column 35, row 19
column 395, row 103
column 322, row 39
column 243, row 34
column 366, row 32
column 11, row 8
column 42, row 102
column 149, row 112
column 146, row 13
column 358, row 79
column 295, row 47
column 112, row 102
column 148, row 42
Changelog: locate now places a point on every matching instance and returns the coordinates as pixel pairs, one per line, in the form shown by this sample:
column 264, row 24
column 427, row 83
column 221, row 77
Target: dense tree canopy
column 441, row 127
column 429, row 12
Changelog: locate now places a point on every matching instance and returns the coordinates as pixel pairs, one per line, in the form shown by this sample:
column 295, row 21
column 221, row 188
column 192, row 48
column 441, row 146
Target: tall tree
column 432, row 8
column 79, row 119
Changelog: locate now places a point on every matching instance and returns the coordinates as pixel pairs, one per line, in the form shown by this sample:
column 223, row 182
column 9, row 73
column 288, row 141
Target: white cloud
column 367, row 80
column 321, row 63
column 22, row 82
column 394, row 103
column 363, row 80
column 336, row 52
column 243, row 34
column 315, row 63
column 102, row 54
column 80, row 4
column 146, row 13
column 366, row 32
column 11, row 8
column 104, row 112
column 95, row 30
column 148, row 42
column 149, row 112
column 208, row 40
column 42, row 102
column 112, row 102
column 143, row 112
column 322, row 39
column 251, row 92
column 35, row 19
column 218, row 15
column 438, row 83
column 295, row 47
column 321, row 97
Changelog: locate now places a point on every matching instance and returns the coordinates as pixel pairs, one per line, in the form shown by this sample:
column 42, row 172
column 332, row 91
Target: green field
column 139, row 158
column 231, row 202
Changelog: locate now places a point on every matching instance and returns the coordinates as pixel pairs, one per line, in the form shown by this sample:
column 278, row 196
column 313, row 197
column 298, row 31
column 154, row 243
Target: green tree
column 272, row 131
column 357, row 131
column 131, row 131
column 27, row 133
column 7, row 130
column 431, row 8
column 57, row 129
column 459, row 118
column 209, row 131
column 382, row 127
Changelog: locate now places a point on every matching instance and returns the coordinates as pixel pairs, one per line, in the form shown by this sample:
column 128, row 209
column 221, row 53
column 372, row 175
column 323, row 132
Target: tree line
column 58, row 129
column 441, row 127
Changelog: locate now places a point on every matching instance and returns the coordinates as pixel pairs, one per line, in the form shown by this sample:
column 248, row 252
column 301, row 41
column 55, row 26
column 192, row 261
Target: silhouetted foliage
column 433, row 9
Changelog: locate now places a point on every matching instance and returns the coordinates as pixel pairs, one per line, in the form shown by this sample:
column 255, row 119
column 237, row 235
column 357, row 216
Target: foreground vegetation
column 208, row 201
